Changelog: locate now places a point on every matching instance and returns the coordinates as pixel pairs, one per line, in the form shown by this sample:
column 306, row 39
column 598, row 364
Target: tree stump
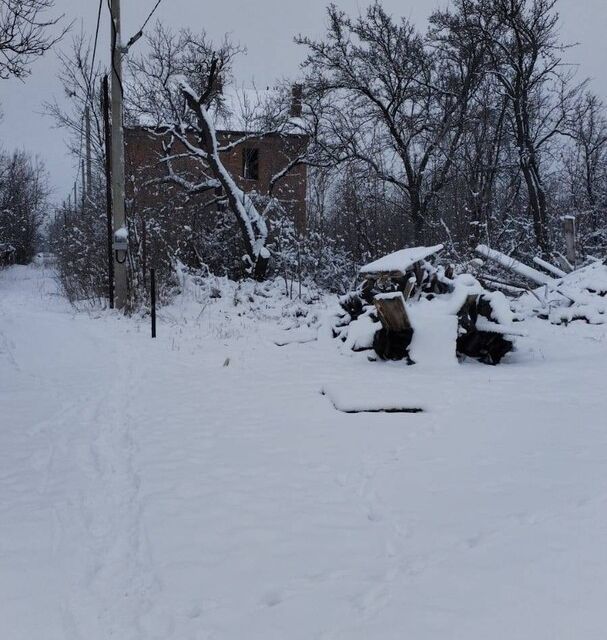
column 392, row 341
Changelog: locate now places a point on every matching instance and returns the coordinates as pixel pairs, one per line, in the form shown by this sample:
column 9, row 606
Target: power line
column 114, row 45
column 94, row 50
column 139, row 33
column 152, row 12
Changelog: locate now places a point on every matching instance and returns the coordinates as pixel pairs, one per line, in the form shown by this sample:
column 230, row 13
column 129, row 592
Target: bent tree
column 177, row 90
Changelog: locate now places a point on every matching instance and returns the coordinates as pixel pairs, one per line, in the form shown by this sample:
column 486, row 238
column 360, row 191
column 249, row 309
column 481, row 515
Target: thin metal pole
column 153, row 300
column 89, row 159
column 105, row 103
column 118, row 152
column 83, row 190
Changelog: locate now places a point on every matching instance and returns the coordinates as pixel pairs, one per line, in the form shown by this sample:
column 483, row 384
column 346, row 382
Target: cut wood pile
column 380, row 315
column 555, row 292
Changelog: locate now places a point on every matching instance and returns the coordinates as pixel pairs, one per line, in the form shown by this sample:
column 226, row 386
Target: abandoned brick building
column 252, row 164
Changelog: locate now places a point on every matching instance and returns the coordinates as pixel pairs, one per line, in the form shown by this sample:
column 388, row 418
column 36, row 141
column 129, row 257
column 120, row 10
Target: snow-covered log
column 513, row 265
column 550, row 268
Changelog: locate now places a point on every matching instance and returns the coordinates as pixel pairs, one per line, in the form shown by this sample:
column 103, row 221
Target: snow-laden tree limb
column 178, row 95
column 253, row 226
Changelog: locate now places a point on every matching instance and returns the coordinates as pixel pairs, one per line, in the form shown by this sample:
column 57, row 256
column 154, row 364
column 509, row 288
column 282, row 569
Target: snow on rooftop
column 401, row 261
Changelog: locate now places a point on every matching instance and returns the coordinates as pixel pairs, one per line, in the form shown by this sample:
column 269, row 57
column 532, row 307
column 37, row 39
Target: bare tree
column 24, row 195
column 25, row 34
column 586, row 169
column 480, row 163
column 78, row 234
column 393, row 100
column 81, row 87
column 526, row 59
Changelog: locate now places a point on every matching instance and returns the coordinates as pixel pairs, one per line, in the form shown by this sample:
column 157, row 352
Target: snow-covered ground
column 149, row 491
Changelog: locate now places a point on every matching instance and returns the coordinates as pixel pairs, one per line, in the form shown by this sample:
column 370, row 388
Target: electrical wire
column 152, row 12
column 139, row 33
column 114, row 44
column 94, row 50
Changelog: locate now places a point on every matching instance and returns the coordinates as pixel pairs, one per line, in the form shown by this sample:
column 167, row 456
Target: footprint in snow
column 374, row 515
column 272, row 598
column 194, row 612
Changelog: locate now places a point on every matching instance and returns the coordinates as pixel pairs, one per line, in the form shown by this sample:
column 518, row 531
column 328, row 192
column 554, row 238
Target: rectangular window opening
column 250, row 164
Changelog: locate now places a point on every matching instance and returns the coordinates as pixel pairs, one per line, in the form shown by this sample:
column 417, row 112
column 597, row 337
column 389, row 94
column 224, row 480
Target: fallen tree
column 510, row 264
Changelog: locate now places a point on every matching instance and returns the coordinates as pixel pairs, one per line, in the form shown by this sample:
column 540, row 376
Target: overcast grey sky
column 266, row 28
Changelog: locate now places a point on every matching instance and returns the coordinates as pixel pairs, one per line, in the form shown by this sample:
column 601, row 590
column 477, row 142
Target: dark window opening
column 250, row 164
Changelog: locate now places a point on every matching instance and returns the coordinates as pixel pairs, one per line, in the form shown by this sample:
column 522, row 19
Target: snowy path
column 147, row 491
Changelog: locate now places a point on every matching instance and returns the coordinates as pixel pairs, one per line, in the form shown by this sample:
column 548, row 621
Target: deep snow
column 149, row 491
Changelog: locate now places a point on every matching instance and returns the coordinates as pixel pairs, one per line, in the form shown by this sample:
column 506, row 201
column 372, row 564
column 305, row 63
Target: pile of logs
column 375, row 315
column 485, row 341
column 410, row 271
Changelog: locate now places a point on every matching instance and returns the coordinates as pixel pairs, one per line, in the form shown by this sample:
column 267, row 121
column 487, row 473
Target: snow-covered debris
column 393, row 295
column 579, row 295
column 500, row 307
column 377, row 314
column 462, row 287
column 401, row 261
column 591, row 278
column 561, row 297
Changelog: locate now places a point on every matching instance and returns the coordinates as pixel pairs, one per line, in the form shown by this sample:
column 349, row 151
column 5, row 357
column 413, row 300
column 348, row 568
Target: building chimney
column 296, row 101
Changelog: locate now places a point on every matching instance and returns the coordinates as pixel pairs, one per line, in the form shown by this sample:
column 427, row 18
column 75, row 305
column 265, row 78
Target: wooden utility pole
column 105, row 109
column 118, row 156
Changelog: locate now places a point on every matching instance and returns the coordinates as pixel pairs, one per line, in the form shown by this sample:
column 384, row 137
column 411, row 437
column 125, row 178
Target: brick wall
column 143, row 152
